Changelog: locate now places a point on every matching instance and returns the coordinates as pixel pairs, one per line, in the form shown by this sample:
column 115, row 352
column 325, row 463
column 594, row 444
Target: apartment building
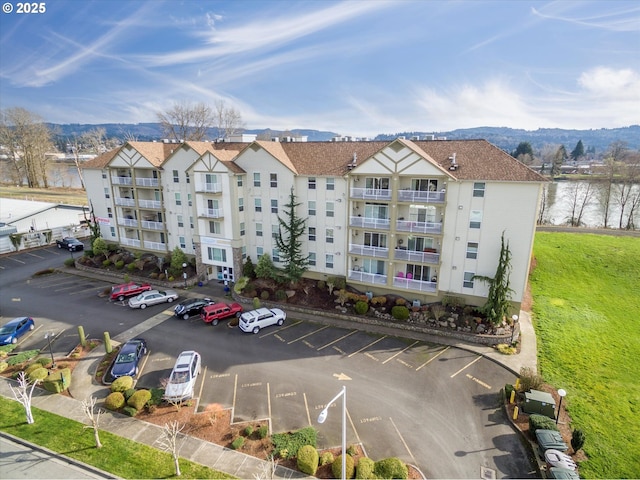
column 413, row 218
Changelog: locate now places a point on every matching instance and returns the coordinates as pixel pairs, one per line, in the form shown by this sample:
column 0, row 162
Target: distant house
column 417, row 218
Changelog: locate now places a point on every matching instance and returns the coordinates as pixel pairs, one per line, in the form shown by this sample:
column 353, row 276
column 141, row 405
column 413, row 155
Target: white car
column 182, row 382
column 152, row 297
column 254, row 320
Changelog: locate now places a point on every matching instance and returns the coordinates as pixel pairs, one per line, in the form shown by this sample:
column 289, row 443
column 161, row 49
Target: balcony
column 155, row 204
column 358, row 275
column 131, row 242
column 125, row 202
column 419, row 196
column 416, row 285
column 128, row 222
column 155, row 245
column 120, row 180
column 150, row 225
column 419, row 227
column 416, row 257
column 146, row 182
column 368, row 250
column 209, row 187
column 369, row 222
column 371, row 193
column 212, row 213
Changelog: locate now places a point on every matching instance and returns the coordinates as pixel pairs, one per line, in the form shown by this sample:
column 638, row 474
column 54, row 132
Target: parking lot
column 431, row 405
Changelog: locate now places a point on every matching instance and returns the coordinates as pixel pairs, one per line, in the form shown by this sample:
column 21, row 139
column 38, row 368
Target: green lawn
column 118, row 455
column 586, row 293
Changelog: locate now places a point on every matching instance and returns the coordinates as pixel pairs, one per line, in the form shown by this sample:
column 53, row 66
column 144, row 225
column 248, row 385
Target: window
column 240, row 180
column 242, row 229
column 312, row 183
column 258, row 229
column 189, row 200
column 106, row 192
column 478, row 189
column 241, row 204
column 329, row 236
column 113, row 231
column 176, row 177
column 312, row 234
column 259, row 252
column 275, row 230
column 183, row 244
column 331, row 183
column 468, row 280
column 312, row 258
column 191, row 222
column 330, row 207
column 244, row 252
column 475, row 219
column 178, row 200
column 186, row 174
column 217, row 254
column 312, row 208
column 472, row 250
column 109, row 212
column 329, row 260
column 257, row 202
column 256, row 179
column 180, row 221
column 273, row 178
column 274, row 206
column 104, row 174
column 215, row 227
column 275, row 255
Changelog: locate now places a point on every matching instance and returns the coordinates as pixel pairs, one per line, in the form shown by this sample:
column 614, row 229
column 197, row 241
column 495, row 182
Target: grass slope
column 69, row 196
column 586, row 291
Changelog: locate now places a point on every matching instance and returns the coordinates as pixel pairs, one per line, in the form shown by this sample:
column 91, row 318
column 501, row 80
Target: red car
column 214, row 313
column 120, row 292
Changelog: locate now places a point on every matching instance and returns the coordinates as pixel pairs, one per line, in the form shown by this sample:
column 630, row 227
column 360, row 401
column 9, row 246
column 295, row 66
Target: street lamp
column 562, row 393
column 184, row 274
column 513, row 329
column 48, row 336
column 323, row 416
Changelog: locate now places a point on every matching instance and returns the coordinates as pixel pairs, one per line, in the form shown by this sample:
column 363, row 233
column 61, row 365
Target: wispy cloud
column 616, row 20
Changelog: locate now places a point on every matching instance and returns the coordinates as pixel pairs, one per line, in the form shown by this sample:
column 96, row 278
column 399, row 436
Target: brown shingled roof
column 154, row 152
column 101, row 160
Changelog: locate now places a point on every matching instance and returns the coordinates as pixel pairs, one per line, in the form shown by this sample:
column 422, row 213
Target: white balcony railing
column 418, row 196
column 358, row 274
column 120, row 180
column 417, row 285
column 149, row 203
column 152, row 225
column 125, row 202
column 369, row 251
column 131, row 242
column 128, row 222
column 418, row 227
column 209, row 187
column 413, row 256
column 147, row 182
column 155, row 245
column 371, row 193
column 369, row 222
column 212, row 213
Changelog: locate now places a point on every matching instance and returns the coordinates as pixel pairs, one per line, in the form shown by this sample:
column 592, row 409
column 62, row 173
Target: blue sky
column 354, row 68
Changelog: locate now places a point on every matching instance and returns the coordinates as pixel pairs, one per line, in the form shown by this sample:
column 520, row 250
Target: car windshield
column 179, row 377
column 126, row 357
column 140, row 297
column 7, row 329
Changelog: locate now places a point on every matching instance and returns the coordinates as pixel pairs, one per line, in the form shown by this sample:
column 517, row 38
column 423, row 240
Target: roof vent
column 453, row 165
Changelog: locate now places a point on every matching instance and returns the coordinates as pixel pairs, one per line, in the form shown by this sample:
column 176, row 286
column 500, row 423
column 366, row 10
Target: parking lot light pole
column 561, row 393
column 48, row 336
column 184, row 274
column 323, row 416
column 513, row 328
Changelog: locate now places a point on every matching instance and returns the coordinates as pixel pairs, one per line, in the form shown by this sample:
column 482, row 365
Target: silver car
column 182, row 382
column 153, row 297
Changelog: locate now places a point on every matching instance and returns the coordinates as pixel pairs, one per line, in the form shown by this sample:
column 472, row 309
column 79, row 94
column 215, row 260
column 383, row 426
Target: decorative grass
column 586, row 291
column 119, row 456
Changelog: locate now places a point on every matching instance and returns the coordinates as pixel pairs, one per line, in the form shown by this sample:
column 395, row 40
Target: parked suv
column 218, row 311
column 120, row 292
column 254, row 320
column 182, row 382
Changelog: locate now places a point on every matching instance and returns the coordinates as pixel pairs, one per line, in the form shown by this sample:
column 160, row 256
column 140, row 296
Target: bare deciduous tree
column 228, row 120
column 185, row 121
column 268, row 472
column 27, row 140
column 169, row 441
column 88, row 407
column 23, row 394
column 579, row 196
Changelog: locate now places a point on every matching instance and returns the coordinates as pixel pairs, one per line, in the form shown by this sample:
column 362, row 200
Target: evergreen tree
column 577, row 152
column 523, row 148
column 289, row 244
column 178, row 257
column 249, row 270
column 265, row 267
column 558, row 159
column 499, row 298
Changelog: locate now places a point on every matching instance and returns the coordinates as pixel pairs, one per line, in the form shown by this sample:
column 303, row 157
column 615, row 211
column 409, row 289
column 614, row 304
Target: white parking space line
column 401, row 351
column 337, row 340
column 353, row 427
column 367, row 346
column 433, row 358
column 306, row 407
column 413, row 459
column 15, row 260
column 466, row 366
column 34, row 255
column 235, row 394
column 88, row 289
column 65, row 288
column 273, row 332
column 269, row 401
column 309, row 334
column 203, row 376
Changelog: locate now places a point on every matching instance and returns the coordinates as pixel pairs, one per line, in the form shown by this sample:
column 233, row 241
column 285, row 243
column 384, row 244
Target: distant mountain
column 503, row 137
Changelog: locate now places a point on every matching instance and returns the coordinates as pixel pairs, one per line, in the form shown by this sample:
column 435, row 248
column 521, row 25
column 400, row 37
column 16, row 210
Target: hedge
column 365, row 468
column 336, row 467
column 122, row 384
column 308, row 459
column 114, row 401
column 57, row 381
column 139, row 399
column 391, row 468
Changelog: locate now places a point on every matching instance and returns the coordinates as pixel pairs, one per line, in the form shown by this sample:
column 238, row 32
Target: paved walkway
column 209, row 454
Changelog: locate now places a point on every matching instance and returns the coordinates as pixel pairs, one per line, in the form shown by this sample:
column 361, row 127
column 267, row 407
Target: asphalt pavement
column 209, row 454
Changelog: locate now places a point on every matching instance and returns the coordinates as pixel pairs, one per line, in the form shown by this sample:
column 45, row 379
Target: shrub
column 44, row 361
column 326, row 458
column 577, row 439
column 248, row 269
column 32, row 367
column 132, row 266
column 22, row 357
column 130, row 411
column 57, row 381
column 120, row 264
column 290, row 442
column 154, row 275
column 537, row 421
column 256, row 303
column 365, row 468
column 400, row 312
column 69, row 262
column 39, row 373
column 321, row 285
column 530, row 379
column 139, row 399
column 122, row 384
column 128, row 393
column 263, row 431
column 114, row 401
column 156, row 396
column 401, row 301
column 340, row 282
column 453, row 302
column 241, row 285
column 379, row 301
column 351, row 450
column 361, row 307
column 248, row 431
column 237, row 443
column 336, row 467
column 264, row 295
column 106, row 263
column 3, row 366
column 391, row 468
column 505, row 349
column 508, row 388
column 307, row 460
column 281, row 295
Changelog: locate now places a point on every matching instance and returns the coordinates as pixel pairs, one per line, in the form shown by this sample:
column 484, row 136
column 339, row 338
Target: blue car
column 12, row 331
column 129, row 356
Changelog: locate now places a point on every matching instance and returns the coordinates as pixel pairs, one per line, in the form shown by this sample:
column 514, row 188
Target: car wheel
column 14, row 340
column 71, row 249
column 280, row 321
column 215, row 322
column 185, row 316
column 256, row 329
column 169, row 300
column 59, row 246
column 238, row 314
column 144, row 352
column 121, row 298
column 143, row 306
column 32, row 326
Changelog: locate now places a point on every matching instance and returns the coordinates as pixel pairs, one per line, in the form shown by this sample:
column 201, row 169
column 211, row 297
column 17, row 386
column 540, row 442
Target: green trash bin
column 539, row 402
